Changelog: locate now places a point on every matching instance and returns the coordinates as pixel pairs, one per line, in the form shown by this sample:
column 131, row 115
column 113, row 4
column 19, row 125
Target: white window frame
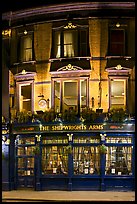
column 23, row 79
column 125, row 79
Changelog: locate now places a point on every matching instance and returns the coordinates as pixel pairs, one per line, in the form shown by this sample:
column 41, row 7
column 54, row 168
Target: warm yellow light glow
column 23, row 71
column 25, row 32
column 117, row 24
column 6, row 32
column 118, row 67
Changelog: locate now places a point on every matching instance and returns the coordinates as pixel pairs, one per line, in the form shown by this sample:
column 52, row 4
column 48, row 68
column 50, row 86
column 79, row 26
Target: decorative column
column 102, row 160
column 70, row 162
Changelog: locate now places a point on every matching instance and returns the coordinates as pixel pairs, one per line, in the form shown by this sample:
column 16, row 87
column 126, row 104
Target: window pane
column 116, row 139
column 26, row 91
column 57, row 96
column 117, row 42
column 118, row 92
column 57, row 44
column 70, row 97
column 54, row 160
column 25, row 100
column 86, row 160
column 70, row 43
column 83, row 43
column 54, row 140
column 117, row 36
column 118, row 160
column 83, row 93
column 117, row 88
column 26, row 48
column 117, row 49
column 86, row 139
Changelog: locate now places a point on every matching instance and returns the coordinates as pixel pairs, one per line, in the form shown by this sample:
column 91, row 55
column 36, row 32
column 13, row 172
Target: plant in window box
column 102, row 149
column 4, row 156
column 88, row 115
column 23, row 117
column 36, row 150
column 68, row 149
column 49, row 116
column 70, row 115
column 117, row 114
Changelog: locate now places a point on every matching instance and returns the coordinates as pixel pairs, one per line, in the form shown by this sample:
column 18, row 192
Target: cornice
column 67, row 7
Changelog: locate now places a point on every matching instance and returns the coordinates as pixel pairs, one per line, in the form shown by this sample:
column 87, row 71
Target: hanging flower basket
column 102, row 149
column 68, row 149
column 36, row 150
column 4, row 156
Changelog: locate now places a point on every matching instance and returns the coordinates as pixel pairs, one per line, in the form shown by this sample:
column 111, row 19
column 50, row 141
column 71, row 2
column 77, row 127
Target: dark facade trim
column 68, row 7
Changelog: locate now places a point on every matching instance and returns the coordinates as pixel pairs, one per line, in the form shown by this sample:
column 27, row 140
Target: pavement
column 63, row 196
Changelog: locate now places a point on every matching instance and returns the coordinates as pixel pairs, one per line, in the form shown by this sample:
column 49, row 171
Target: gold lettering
column 54, row 128
column 96, row 127
column 65, row 127
column 45, row 128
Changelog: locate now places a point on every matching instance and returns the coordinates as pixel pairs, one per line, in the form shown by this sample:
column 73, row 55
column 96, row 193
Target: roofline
column 67, row 7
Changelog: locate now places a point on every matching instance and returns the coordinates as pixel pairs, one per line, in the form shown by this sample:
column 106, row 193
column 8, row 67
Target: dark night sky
column 13, row 5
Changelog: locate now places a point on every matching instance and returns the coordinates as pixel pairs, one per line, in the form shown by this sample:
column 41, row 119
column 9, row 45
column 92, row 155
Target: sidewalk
column 68, row 195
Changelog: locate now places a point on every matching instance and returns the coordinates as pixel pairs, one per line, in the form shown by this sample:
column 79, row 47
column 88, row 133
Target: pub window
column 53, row 139
column 26, row 45
column 70, row 43
column 86, row 160
column 119, row 160
column 54, row 160
column 117, row 42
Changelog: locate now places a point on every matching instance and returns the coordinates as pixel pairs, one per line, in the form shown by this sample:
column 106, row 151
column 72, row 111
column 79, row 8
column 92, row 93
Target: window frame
column 62, row 80
column 125, row 79
column 20, row 39
column 23, row 83
column 110, row 53
column 78, row 29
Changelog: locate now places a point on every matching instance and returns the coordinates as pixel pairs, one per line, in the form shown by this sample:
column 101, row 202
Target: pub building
column 68, row 118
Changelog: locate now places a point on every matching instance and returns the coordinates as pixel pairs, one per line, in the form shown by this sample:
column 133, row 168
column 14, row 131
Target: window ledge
column 68, row 58
column 25, row 62
column 118, row 57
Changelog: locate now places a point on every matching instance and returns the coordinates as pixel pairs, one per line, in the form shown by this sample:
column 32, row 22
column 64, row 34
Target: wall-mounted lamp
column 25, row 32
column 117, row 24
column 23, row 71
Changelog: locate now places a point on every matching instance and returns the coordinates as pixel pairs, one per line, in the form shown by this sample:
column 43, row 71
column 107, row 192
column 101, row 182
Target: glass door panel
column 83, row 93
column 25, row 161
column 57, row 96
column 118, row 95
column 70, row 95
column 25, row 97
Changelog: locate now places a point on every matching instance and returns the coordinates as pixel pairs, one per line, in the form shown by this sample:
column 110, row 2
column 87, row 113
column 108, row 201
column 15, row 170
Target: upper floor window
column 117, row 42
column 26, row 45
column 25, row 91
column 70, row 42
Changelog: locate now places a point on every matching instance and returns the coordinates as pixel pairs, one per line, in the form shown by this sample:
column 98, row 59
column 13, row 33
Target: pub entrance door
column 25, row 162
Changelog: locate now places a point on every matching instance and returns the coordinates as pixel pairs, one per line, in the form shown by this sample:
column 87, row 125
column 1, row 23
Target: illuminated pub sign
column 74, row 127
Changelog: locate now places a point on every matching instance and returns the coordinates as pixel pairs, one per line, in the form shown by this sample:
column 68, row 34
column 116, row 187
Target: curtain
column 68, row 44
column 57, row 50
